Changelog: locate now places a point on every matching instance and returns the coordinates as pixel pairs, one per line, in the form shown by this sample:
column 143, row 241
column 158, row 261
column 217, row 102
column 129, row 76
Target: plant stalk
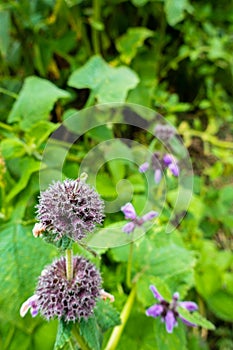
column 95, row 32
column 69, row 264
column 129, row 266
column 81, row 342
column 117, row 331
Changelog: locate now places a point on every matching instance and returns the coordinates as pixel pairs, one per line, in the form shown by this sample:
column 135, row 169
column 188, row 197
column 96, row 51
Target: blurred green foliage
column 175, row 57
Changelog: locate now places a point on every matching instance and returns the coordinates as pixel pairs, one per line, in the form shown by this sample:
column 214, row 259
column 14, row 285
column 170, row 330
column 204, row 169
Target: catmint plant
column 168, row 311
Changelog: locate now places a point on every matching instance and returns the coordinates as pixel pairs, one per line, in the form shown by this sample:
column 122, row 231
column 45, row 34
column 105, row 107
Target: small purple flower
column 164, row 132
column 144, row 167
column 168, row 310
column 159, row 162
column 130, row 213
column 171, row 164
column 32, row 304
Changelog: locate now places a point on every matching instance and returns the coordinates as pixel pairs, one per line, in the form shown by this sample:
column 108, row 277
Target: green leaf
column 63, row 334
column 22, row 258
column 35, row 101
column 90, row 332
column 12, row 148
column 107, row 83
column 129, row 43
column 175, row 340
column 144, row 293
column 175, row 10
column 39, row 132
column 195, row 318
column 106, row 316
column 28, row 166
column 221, row 303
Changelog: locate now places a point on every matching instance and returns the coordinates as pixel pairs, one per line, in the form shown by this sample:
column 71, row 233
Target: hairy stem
column 129, row 266
column 69, row 264
column 95, row 32
column 117, row 331
column 79, row 339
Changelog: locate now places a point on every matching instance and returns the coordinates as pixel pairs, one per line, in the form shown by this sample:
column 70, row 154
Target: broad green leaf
column 129, row 43
column 106, row 316
column 28, row 166
column 195, row 318
column 221, row 303
column 101, row 133
column 40, row 131
column 12, row 148
column 63, row 334
column 35, row 101
column 108, row 84
column 90, row 332
column 144, row 293
column 175, row 10
column 160, row 256
column 165, row 341
column 22, row 258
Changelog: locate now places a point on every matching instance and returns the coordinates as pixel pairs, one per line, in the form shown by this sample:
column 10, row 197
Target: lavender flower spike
column 169, row 310
column 130, row 213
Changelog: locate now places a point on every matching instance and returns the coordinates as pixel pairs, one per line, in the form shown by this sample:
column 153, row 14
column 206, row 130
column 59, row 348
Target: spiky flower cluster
column 70, row 208
column 56, row 296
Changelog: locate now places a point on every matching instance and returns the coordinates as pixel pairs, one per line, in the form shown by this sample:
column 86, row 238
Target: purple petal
column 129, row 227
column 34, row 311
column 176, row 296
column 149, row 216
column 170, row 321
column 144, row 167
column 156, row 293
column 154, row 310
column 188, row 305
column 157, row 176
column 173, row 167
column 188, row 323
column 168, row 159
column 129, row 211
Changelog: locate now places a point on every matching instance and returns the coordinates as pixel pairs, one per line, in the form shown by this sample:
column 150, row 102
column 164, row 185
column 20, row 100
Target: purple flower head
column 58, row 297
column 130, row 213
column 169, row 310
column 69, row 208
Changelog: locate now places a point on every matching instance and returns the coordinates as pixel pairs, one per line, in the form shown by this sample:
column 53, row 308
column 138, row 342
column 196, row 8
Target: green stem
column 95, row 32
column 69, row 264
column 129, row 266
column 117, row 331
column 209, row 138
column 9, row 93
column 81, row 342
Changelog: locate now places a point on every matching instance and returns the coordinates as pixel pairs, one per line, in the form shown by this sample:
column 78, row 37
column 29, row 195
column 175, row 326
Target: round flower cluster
column 56, row 296
column 69, row 208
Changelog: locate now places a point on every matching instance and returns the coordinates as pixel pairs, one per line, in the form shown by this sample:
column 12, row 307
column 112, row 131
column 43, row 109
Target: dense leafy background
column 172, row 56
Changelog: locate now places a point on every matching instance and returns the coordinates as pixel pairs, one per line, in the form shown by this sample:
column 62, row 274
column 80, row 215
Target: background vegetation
column 172, row 56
